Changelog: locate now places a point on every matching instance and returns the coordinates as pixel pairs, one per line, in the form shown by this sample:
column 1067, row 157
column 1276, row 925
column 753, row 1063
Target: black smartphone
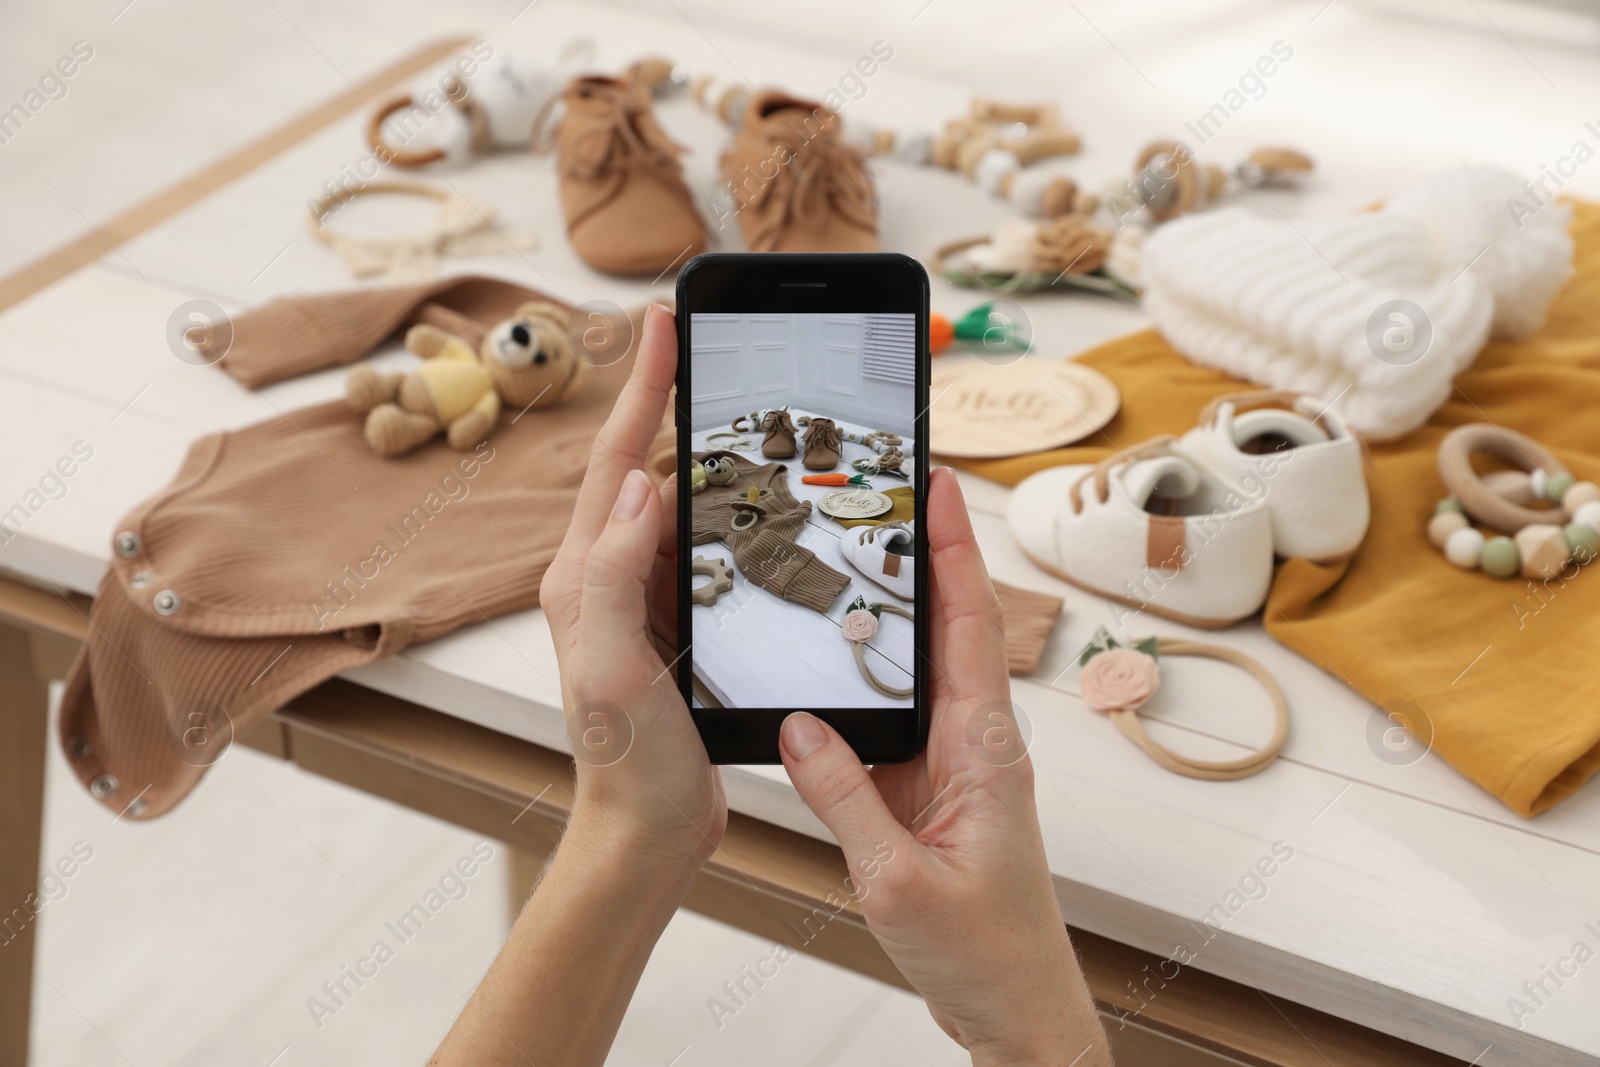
column 802, row 409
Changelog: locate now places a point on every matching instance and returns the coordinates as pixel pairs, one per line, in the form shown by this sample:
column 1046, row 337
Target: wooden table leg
column 28, row 661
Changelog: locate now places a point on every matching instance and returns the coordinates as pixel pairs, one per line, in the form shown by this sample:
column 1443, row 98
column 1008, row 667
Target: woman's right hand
column 945, row 850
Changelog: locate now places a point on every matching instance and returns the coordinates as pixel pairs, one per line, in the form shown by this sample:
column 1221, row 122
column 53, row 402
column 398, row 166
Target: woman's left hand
column 644, row 781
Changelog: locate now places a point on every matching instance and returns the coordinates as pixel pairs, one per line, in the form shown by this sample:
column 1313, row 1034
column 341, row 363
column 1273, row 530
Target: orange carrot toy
column 837, row 478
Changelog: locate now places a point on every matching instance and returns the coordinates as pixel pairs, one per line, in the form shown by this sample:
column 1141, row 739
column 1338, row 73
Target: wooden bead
column 1275, row 159
column 1499, row 557
column 1580, row 494
column 1588, row 514
column 1442, row 525
column 1543, row 549
column 1060, row 197
column 1462, row 547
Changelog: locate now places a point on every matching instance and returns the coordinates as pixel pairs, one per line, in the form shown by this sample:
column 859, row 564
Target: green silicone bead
column 1499, row 557
column 1583, row 539
column 1449, row 503
column 1556, row 486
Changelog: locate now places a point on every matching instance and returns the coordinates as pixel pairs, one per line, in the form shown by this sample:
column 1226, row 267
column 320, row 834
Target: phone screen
column 801, row 408
column 803, row 510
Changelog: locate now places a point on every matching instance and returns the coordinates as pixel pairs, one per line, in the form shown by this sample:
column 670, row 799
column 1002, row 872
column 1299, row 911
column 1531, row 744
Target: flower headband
column 1120, row 679
column 860, row 623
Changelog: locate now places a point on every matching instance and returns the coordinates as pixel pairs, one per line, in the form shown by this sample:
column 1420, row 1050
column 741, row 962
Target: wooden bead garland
column 1168, row 181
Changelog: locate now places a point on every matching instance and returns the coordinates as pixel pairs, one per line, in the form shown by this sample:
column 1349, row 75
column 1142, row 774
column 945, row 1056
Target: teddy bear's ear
column 539, row 309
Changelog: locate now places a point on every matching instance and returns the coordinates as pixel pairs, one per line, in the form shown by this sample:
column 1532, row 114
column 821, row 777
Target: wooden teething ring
column 456, row 94
column 399, row 157
column 1480, row 501
column 721, row 576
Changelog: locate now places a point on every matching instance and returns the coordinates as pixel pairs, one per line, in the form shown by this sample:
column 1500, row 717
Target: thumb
column 831, row 780
column 619, row 563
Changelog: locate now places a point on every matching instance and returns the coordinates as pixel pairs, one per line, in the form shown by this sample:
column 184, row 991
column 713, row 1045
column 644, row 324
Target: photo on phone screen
column 803, row 514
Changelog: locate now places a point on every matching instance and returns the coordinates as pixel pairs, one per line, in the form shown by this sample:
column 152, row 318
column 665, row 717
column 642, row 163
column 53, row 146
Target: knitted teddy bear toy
column 525, row 362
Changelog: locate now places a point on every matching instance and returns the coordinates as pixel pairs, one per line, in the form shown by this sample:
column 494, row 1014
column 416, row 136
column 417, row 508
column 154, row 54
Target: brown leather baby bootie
column 822, row 445
column 779, row 442
column 628, row 209
column 799, row 187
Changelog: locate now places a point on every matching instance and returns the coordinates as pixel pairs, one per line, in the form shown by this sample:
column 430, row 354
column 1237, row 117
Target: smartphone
column 797, row 595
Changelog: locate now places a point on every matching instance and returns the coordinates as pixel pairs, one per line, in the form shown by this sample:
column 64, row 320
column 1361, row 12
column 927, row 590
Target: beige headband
column 1127, row 720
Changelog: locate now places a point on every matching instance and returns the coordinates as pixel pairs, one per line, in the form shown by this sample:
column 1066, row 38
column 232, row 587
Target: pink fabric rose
column 860, row 624
column 1121, row 678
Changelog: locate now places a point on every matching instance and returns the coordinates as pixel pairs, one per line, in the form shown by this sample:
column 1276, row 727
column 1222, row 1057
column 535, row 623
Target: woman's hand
column 649, row 807
column 956, row 886
column 644, row 781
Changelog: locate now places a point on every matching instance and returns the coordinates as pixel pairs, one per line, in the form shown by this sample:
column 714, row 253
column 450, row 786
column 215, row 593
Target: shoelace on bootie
column 1100, row 473
column 823, row 433
column 869, row 534
column 823, row 173
column 629, row 138
column 778, row 420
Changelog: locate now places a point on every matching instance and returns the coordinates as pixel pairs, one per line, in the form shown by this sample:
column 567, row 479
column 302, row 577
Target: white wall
column 744, row 363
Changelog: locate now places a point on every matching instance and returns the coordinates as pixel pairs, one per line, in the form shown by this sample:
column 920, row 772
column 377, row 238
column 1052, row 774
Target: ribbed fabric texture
column 766, row 553
column 1307, row 307
column 1030, row 617
column 300, row 334
column 288, row 551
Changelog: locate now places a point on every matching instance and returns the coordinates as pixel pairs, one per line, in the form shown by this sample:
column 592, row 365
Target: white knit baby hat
column 1376, row 312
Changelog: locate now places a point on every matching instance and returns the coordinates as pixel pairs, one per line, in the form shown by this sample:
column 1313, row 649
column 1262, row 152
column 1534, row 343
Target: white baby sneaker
column 1154, row 528
column 884, row 555
column 1298, row 455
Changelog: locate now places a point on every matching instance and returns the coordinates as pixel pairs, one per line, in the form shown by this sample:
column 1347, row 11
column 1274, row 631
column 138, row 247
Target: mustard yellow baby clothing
column 1501, row 673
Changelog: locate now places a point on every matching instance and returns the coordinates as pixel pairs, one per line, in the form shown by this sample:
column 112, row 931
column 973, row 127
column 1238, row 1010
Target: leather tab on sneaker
column 1164, row 542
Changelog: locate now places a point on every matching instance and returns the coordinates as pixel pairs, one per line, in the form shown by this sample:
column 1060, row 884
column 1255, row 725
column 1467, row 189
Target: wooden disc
column 984, row 410
column 855, row 504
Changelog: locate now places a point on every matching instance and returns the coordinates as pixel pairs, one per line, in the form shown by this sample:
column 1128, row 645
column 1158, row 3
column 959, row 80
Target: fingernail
column 802, row 735
column 656, row 308
column 630, row 501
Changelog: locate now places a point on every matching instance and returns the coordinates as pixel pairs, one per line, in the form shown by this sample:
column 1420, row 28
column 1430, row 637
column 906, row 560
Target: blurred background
column 206, row 936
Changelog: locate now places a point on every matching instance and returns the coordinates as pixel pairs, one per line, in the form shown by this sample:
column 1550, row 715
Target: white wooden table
column 801, row 654
column 1414, row 903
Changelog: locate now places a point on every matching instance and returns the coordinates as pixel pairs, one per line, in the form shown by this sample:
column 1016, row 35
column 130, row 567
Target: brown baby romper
column 766, row 553
column 288, row 551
